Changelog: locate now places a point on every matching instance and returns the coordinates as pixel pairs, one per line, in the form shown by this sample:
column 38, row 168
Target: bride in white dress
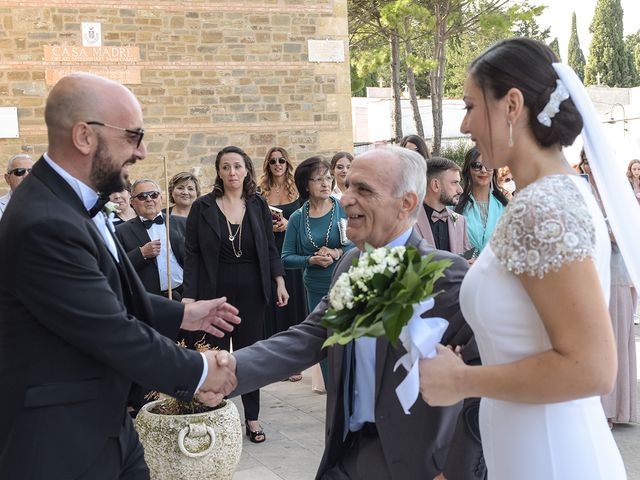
column 536, row 298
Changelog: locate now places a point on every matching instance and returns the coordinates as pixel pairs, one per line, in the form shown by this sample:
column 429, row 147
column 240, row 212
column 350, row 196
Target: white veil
column 620, row 204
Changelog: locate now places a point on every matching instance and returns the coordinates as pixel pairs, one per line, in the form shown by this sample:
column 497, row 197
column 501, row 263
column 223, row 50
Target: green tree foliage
column 555, row 46
column 525, row 22
column 608, row 59
column 519, row 20
column 632, row 46
column 576, row 57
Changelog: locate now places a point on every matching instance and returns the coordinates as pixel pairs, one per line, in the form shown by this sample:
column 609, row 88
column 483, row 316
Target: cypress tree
column 555, row 46
column 607, row 54
column 576, row 57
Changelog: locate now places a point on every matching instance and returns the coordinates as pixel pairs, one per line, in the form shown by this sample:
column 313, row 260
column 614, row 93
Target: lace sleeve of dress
column 545, row 226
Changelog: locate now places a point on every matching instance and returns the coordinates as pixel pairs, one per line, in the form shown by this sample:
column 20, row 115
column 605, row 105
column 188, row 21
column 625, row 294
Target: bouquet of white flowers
column 375, row 297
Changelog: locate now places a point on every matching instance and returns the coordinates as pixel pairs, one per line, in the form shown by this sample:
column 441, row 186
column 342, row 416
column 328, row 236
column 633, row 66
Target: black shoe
column 253, row 435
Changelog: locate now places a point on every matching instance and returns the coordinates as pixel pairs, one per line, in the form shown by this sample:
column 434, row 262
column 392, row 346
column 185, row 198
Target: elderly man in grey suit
column 367, row 434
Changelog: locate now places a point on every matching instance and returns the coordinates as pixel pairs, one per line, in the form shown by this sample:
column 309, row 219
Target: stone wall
column 208, row 74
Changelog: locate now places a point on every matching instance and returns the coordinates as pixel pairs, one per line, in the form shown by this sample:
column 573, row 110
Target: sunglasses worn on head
column 477, row 166
column 139, row 132
column 281, row 160
column 18, row 172
column 144, row 195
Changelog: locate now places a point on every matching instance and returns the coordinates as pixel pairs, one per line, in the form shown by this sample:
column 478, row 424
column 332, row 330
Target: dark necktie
column 435, row 216
column 159, row 220
column 348, row 375
column 100, row 202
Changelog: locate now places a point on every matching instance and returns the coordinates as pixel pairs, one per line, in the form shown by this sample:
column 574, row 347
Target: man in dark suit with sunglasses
column 144, row 239
column 77, row 327
column 18, row 168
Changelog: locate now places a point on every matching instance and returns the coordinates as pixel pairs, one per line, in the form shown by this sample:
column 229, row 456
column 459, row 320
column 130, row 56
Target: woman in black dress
column 230, row 251
column 278, row 187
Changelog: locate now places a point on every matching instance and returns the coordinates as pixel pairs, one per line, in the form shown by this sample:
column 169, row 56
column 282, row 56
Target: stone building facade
column 208, row 74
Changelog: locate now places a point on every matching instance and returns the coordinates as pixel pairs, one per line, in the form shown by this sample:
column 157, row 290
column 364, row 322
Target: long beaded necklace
column 306, row 221
column 232, row 236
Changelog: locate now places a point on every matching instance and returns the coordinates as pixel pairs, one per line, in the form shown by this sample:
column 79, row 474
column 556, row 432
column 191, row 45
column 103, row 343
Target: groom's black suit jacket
column 76, row 329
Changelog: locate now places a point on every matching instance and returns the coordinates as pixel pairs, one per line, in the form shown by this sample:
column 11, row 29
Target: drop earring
column 510, row 135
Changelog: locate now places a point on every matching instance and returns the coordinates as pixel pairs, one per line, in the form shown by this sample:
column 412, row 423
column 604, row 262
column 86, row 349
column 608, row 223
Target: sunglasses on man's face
column 281, row 160
column 142, row 196
column 18, row 172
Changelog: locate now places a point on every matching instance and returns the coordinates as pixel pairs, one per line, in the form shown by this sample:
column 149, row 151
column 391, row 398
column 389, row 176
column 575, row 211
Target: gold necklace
column 232, row 236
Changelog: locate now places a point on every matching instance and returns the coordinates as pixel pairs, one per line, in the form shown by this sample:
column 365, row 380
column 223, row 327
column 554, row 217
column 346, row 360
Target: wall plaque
column 122, row 74
column 68, row 53
column 326, row 50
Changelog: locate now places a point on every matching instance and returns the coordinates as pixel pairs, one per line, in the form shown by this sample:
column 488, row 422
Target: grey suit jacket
column 417, row 446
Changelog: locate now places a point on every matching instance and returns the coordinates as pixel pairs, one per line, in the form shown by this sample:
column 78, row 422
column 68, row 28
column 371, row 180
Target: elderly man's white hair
column 144, row 180
column 16, row 157
column 412, row 174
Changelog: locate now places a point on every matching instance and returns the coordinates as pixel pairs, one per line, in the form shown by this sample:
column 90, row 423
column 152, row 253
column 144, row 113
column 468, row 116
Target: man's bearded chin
column 103, row 176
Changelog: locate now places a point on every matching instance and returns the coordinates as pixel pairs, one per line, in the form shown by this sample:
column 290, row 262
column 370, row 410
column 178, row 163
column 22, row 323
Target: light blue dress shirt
column 365, row 371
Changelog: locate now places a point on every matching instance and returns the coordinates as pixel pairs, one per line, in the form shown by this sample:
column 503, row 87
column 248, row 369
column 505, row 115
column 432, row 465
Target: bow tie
column 443, row 215
column 159, row 220
column 100, row 202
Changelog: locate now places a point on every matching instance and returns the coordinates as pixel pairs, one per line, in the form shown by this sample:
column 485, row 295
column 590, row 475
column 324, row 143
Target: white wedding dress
column 553, row 221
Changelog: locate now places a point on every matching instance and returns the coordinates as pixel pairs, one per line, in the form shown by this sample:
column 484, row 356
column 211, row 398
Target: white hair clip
column 552, row 107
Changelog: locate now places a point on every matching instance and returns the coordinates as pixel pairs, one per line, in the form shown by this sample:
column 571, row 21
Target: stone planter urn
column 198, row 446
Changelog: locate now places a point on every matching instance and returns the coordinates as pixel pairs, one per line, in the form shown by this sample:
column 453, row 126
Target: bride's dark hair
column 525, row 64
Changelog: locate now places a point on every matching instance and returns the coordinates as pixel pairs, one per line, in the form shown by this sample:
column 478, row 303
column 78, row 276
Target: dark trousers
column 241, row 284
column 122, row 457
column 363, row 458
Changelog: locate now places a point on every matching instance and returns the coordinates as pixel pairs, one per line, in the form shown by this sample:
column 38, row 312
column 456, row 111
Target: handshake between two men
column 215, row 317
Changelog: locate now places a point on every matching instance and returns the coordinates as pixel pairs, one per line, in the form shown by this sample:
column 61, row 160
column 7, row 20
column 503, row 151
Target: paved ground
column 293, row 419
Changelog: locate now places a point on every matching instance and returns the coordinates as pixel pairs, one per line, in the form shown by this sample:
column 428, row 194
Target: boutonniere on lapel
column 454, row 216
column 110, row 208
column 384, row 293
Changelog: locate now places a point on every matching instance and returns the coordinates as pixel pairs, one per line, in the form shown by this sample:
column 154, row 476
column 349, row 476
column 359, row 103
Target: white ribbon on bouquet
column 419, row 338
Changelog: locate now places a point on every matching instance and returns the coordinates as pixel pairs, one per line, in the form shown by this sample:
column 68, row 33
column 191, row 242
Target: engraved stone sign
column 326, row 50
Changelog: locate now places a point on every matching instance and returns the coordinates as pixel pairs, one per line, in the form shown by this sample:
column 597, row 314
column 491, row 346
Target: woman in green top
column 314, row 240
column 481, row 202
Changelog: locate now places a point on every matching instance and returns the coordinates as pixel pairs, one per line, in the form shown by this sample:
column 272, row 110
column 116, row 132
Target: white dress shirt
column 159, row 232
column 3, row 202
column 88, row 196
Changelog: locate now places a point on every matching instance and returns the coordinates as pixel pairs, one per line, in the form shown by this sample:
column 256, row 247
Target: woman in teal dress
column 314, row 240
column 481, row 202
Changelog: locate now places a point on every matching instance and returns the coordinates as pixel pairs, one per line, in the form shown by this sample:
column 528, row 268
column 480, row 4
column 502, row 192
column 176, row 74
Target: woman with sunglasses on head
column 184, row 188
column 340, row 165
column 278, row 187
column 481, row 202
column 536, row 297
column 315, row 239
column 230, row 252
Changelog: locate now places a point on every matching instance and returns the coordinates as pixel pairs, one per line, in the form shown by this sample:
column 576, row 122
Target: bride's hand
column 441, row 378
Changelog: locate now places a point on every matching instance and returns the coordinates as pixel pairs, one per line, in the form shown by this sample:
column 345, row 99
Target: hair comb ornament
column 559, row 95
